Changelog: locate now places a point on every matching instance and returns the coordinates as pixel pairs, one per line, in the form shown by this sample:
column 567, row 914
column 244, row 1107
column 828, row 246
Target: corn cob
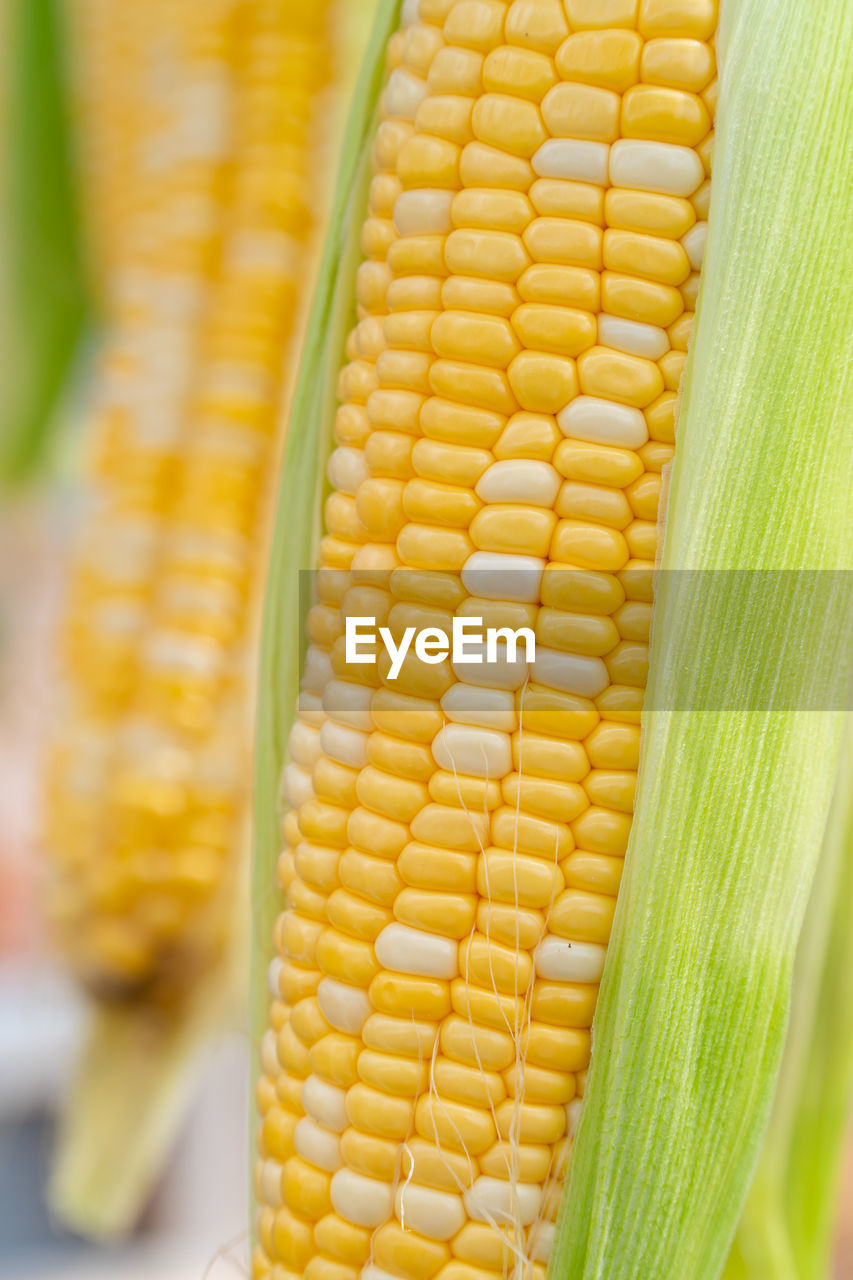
column 146, row 812
column 534, row 232
column 116, row 58
column 147, row 786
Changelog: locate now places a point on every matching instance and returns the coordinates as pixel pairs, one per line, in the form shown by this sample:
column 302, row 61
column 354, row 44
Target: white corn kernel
column 482, row 753
column 318, row 670
column 694, row 244
column 304, row 745
column 296, row 785
column 318, row 1146
column 519, row 480
column 542, row 1241
column 366, row 1202
column 491, row 708
column 346, row 1008
column 348, row 704
column 498, row 576
column 404, row 94
column 438, row 1215
column 570, row 672
column 603, row 422
column 346, row 746
column 506, row 1203
column 661, row 167
column 573, row 1112
column 407, row 950
column 423, row 211
column 631, row 336
column 273, row 975
column 372, row 1272
column 325, row 1103
column 269, row 1055
column 564, row 961
column 347, row 469
column 310, row 708
column 572, row 158
column 270, row 1184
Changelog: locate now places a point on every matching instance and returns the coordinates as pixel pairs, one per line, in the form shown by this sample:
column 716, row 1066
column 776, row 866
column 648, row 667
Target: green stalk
column 43, row 294
column 299, row 502
column 789, row 1214
column 736, row 779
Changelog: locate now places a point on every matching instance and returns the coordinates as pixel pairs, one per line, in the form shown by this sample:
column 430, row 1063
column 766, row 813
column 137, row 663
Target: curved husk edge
column 732, row 803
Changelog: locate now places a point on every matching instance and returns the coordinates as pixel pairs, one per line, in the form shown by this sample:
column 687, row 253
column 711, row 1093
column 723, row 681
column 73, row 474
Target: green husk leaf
column 130, row 1092
column 734, row 787
column 300, row 492
column 43, row 288
column 787, row 1224
column 132, row 1086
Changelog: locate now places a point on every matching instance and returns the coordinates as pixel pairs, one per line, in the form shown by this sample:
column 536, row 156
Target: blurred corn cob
column 207, row 268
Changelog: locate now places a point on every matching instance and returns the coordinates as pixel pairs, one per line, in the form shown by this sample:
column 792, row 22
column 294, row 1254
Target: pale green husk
column 130, row 1092
column 131, row 1088
column 787, row 1224
column 732, row 804
column 299, row 501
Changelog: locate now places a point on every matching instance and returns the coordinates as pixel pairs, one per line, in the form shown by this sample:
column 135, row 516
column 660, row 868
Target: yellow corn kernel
column 520, row 72
column 565, row 242
column 408, row 1037
column 528, row 435
column 374, row 1112
column 499, row 527
column 574, row 110
column 456, row 69
column 509, row 123
column 447, row 117
column 391, row 1074
column 429, row 1166
column 683, row 63
column 541, row 382
column 559, row 330
column 434, row 913
column 475, row 24
column 649, row 257
column 483, row 339
column 561, row 286
column 578, row 501
column 664, row 115
column 474, row 294
column 690, row 19
column 641, row 211
column 406, row 1252
column 306, row 1189
column 608, row 58
column 403, row 996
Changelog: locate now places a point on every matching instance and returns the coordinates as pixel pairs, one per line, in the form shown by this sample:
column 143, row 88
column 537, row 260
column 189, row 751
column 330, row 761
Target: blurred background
column 75, row 215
